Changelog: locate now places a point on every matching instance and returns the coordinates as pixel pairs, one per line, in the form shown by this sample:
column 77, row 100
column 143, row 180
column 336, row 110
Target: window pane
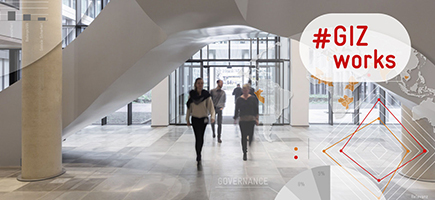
column 271, row 49
column 240, row 49
column 197, row 55
column 262, row 49
column 119, row 117
column 6, row 72
column 1, row 74
column 66, row 2
column 172, row 97
column 204, row 53
column 318, row 103
column 84, row 6
column 98, row 7
column 342, row 114
column 368, row 96
column 254, row 49
column 284, row 48
column 142, row 109
column 219, row 50
column 91, row 9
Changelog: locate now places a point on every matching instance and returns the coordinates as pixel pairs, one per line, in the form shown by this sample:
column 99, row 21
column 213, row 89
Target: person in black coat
column 247, row 110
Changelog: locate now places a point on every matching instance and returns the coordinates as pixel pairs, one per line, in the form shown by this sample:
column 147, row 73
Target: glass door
column 268, row 78
column 182, row 81
column 231, row 75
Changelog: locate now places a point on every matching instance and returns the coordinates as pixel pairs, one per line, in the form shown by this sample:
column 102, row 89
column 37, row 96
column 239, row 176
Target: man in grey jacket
column 219, row 98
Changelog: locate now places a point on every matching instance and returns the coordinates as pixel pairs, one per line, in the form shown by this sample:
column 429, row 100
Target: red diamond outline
column 380, row 179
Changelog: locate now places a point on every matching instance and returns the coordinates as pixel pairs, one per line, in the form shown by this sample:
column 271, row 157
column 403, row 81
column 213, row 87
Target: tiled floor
column 140, row 162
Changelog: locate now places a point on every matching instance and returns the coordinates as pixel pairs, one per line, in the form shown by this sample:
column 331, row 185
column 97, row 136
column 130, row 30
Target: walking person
column 252, row 90
column 237, row 92
column 219, row 98
column 247, row 110
column 199, row 106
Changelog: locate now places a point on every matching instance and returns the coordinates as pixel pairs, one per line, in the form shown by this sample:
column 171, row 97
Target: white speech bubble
column 384, row 36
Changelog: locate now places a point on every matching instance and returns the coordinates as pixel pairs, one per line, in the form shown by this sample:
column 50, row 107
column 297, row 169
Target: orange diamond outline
column 394, row 173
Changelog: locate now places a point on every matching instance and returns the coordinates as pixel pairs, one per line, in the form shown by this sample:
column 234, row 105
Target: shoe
column 199, row 166
column 219, row 140
column 214, row 135
column 245, row 157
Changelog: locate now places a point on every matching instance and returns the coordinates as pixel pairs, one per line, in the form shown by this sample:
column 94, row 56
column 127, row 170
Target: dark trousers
column 199, row 125
column 247, row 129
column 219, row 122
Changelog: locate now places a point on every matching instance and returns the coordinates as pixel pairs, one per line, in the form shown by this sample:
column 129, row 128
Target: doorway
column 236, row 62
column 231, row 75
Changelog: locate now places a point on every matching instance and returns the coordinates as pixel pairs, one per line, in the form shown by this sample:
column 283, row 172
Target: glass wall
column 342, row 115
column 240, row 49
column 139, row 113
column 69, row 3
column 181, row 82
column 68, row 30
column 322, row 97
column 231, row 62
column 369, row 94
column 72, row 23
column 318, row 103
column 118, row 117
column 4, row 69
column 141, row 109
column 6, row 75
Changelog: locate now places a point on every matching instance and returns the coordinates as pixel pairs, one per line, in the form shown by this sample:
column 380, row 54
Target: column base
column 19, row 178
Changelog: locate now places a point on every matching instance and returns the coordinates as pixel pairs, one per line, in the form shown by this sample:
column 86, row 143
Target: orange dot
column 296, row 149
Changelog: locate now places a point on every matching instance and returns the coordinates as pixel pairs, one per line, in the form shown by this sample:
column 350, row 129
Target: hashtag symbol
column 320, row 38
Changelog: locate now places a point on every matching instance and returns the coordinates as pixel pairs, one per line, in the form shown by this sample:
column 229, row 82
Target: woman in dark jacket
column 199, row 106
column 247, row 109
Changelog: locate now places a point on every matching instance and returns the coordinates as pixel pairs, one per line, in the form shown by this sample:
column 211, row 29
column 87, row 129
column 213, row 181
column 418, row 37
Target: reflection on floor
column 140, row 162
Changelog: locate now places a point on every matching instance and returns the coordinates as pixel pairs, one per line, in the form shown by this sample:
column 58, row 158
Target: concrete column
column 300, row 87
column 420, row 168
column 41, row 91
column 160, row 104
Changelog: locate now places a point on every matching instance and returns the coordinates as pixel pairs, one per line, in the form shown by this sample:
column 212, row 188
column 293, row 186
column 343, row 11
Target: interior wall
column 300, row 87
column 10, row 128
column 160, row 104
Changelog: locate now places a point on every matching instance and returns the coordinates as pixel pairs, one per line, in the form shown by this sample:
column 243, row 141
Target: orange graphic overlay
column 258, row 94
column 322, row 81
column 345, row 101
column 383, row 190
column 351, row 86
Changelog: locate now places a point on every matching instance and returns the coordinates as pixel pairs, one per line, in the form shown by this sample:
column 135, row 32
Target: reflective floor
column 140, row 162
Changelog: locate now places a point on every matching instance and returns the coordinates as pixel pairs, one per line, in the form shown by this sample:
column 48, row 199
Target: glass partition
column 235, row 66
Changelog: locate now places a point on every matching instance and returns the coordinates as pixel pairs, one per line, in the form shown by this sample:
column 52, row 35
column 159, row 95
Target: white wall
column 10, row 126
column 300, row 87
column 160, row 104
